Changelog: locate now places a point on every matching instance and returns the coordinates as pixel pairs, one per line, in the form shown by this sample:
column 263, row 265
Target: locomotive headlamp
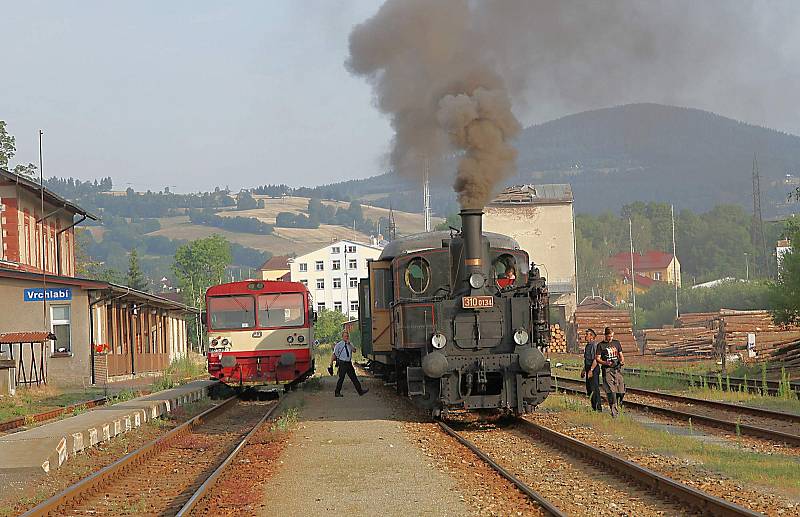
column 477, row 280
column 300, row 339
column 521, row 336
column 438, row 341
column 225, row 342
column 289, row 339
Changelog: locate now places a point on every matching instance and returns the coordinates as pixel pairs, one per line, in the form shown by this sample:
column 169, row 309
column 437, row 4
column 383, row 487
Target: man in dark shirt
column 609, row 355
column 592, row 381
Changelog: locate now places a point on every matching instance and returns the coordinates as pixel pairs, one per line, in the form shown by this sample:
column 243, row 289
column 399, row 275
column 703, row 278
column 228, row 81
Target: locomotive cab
column 460, row 319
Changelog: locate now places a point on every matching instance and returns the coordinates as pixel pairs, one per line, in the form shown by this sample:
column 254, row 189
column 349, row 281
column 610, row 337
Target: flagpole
column 674, row 262
column 633, row 273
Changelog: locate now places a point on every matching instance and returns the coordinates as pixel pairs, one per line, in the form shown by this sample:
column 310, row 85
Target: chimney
column 471, row 233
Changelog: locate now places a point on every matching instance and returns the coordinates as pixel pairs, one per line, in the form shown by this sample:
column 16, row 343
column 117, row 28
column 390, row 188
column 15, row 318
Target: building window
column 337, row 306
column 336, row 265
column 352, row 263
column 353, row 282
column 318, row 266
column 320, row 283
column 303, row 266
column 337, row 283
column 350, row 249
column 60, row 326
column 304, row 282
column 353, row 306
column 321, row 306
column 334, row 250
column 657, row 275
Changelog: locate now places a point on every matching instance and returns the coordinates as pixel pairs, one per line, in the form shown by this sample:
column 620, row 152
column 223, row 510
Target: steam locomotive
column 459, row 320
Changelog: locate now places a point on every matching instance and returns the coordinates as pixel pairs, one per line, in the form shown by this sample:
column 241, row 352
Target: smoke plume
column 447, row 71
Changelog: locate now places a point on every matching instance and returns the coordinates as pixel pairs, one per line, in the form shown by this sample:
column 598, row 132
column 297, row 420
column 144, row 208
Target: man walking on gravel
column 591, row 370
column 609, row 355
column 343, row 355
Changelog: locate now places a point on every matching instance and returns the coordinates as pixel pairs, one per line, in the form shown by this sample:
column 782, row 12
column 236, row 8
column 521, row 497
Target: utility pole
column 674, row 261
column 633, row 273
column 757, row 230
column 747, row 267
column 41, row 226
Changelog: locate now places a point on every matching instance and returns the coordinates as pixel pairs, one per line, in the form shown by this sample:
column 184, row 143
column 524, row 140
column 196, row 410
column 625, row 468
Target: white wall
column 329, row 295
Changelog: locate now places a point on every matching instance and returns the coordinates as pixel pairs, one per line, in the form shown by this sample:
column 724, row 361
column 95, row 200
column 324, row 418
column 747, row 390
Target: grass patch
column 312, row 384
column 177, row 372
column 775, row 471
column 33, row 400
column 286, row 421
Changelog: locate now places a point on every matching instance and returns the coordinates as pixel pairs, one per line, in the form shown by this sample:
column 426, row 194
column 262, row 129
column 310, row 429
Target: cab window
column 231, row 312
column 281, row 310
column 418, row 275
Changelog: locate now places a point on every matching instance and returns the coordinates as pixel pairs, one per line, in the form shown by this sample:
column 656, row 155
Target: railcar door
column 380, row 286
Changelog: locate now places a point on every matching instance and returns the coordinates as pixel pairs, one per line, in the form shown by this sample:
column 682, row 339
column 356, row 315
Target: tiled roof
column 278, row 262
column 49, row 195
column 25, row 337
column 647, row 261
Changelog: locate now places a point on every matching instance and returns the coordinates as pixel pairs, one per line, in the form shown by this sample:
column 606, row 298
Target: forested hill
column 637, row 152
column 645, row 152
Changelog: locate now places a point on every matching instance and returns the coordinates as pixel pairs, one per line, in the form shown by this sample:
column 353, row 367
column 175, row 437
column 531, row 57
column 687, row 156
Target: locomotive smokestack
column 471, row 232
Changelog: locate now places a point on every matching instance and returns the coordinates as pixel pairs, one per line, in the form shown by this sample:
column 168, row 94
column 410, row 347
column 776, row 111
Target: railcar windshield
column 281, row 310
column 231, row 312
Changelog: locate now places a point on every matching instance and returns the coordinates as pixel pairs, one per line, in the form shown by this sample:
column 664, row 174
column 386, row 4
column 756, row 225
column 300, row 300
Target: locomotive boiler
column 459, row 320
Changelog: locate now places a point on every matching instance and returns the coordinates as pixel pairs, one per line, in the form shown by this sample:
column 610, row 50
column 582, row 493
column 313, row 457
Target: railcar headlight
column 476, row 280
column 438, row 341
column 300, row 339
column 289, row 339
column 521, row 336
column 225, row 342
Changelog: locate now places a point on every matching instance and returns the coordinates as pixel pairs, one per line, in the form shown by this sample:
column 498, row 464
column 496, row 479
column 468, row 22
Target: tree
column 7, row 151
column 452, row 221
column 135, row 279
column 328, row 328
column 199, row 265
column 784, row 293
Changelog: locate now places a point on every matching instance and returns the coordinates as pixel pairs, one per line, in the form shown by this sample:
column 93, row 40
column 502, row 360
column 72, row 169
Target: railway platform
column 47, row 447
column 351, row 456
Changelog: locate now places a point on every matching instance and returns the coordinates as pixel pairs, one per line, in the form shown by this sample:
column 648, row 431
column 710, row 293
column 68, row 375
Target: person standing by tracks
column 343, row 355
column 591, row 370
column 609, row 355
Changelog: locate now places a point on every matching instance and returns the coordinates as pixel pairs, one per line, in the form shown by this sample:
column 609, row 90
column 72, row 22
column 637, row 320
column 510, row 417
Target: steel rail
column 88, row 484
column 745, row 429
column 203, row 489
column 751, row 385
column 704, row 502
column 525, row 489
column 723, row 406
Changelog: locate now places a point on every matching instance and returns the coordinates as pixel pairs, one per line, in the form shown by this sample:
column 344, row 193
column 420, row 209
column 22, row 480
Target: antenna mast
column 426, row 196
column 757, row 230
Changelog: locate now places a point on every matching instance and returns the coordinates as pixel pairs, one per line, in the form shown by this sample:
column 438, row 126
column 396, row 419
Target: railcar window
column 281, row 310
column 232, row 312
column 383, row 288
column 418, row 275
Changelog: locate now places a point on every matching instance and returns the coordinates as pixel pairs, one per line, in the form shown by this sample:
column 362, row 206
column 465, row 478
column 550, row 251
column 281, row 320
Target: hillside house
column 649, row 268
column 276, row 268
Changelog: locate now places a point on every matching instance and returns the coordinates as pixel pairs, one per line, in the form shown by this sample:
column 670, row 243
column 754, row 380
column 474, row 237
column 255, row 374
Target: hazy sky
column 195, row 94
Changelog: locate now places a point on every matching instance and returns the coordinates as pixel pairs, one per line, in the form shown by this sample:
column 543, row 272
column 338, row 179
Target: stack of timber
column 558, row 339
column 698, row 333
column 599, row 319
column 787, row 358
column 679, row 342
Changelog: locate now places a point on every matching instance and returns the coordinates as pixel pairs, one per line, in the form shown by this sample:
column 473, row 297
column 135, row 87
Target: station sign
column 51, row 294
column 477, row 302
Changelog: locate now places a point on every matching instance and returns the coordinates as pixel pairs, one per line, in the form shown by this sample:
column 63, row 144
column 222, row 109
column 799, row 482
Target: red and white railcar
column 260, row 332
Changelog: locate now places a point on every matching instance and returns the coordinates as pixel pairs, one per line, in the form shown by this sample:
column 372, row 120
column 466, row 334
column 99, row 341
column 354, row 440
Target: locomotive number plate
column 477, row 302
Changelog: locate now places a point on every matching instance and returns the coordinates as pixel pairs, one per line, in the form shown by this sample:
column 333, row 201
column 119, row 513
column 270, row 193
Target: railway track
column 759, row 423
column 645, row 492
column 169, row 475
column 754, row 385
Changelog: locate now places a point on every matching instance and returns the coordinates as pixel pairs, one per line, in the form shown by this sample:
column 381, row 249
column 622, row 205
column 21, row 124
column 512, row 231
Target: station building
column 102, row 331
column 541, row 219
